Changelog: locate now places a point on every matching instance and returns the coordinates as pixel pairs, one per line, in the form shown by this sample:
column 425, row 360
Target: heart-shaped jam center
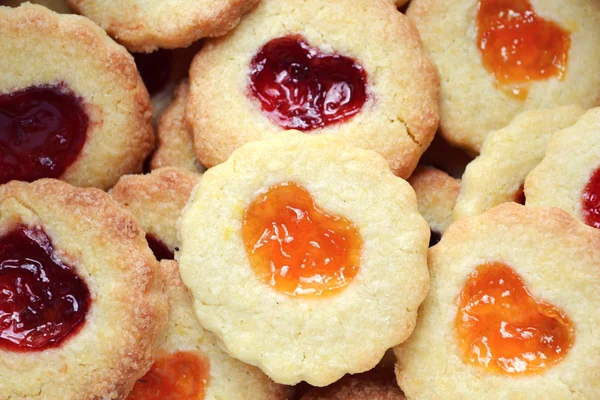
column 42, row 300
column 178, row 376
column 590, row 200
column 297, row 248
column 160, row 250
column 299, row 87
column 518, row 46
column 155, row 68
column 502, row 327
column 42, row 131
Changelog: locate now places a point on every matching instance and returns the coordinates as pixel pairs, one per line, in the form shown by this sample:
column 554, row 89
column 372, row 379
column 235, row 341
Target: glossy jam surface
column 42, row 301
column 590, row 200
column 42, row 131
column 297, row 248
column 177, row 376
column 503, row 328
column 160, row 250
column 518, row 46
column 300, row 87
column 155, row 69
column 520, row 195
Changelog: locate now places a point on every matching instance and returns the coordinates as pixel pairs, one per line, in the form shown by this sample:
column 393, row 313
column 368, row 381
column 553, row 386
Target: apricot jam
column 518, row 46
column 297, row 248
column 502, row 327
column 590, row 200
column 299, row 87
column 178, row 376
column 42, row 300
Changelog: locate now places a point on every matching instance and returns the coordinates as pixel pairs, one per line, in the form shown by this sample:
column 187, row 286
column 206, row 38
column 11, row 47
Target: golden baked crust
column 156, row 200
column 366, row 386
column 153, row 24
column 73, row 50
column 59, row 6
column 128, row 309
column 507, row 156
column 400, row 115
column 471, row 104
column 174, row 137
column 557, row 258
column 293, row 338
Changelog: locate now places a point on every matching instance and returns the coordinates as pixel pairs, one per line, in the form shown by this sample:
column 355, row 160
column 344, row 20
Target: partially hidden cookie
column 569, row 175
column 81, row 307
column 153, row 24
column 511, row 312
column 72, row 104
column 499, row 58
column 296, row 65
column 59, row 6
column 366, row 386
column 311, row 243
column 497, row 176
column 436, row 196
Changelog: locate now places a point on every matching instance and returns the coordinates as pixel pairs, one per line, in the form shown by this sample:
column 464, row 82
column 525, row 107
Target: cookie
column 311, row 243
column 511, row 313
column 359, row 387
column 75, row 95
column 163, row 24
column 82, row 307
column 568, row 177
column 436, row 196
column 59, row 6
column 287, row 66
column 507, row 156
column 498, row 59
column 175, row 145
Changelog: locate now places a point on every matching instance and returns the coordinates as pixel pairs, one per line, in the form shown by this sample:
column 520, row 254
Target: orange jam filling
column 177, row 376
column 502, row 327
column 297, row 248
column 518, row 46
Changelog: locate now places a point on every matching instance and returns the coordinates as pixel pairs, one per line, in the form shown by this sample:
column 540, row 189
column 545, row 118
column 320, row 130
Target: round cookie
column 511, row 313
column 537, row 56
column 364, row 386
column 287, row 66
column 164, row 24
column 325, row 249
column 72, row 103
column 567, row 177
column 59, row 6
column 507, row 156
column 89, row 321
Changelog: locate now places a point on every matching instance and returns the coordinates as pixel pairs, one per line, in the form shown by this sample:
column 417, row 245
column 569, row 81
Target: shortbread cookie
column 210, row 374
column 511, row 314
column 499, row 58
column 441, row 155
column 152, row 24
column 175, row 145
column 366, row 386
column 81, row 307
column 323, row 248
column 74, row 94
column 507, row 156
column 569, row 175
column 59, row 6
column 156, row 200
column 296, row 65
column 436, row 196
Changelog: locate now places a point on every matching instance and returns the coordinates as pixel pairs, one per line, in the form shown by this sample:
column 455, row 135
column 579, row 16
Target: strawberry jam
column 178, row 376
column 155, row 69
column 42, row 131
column 299, row 87
column 160, row 250
column 297, row 248
column 518, row 46
column 502, row 327
column 590, row 200
column 42, row 300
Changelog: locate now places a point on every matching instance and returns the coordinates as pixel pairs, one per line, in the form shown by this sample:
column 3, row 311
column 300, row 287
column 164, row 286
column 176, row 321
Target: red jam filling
column 503, row 328
column 297, row 248
column 518, row 46
column 155, row 69
column 590, row 200
column 42, row 131
column 178, row 376
column 160, row 250
column 300, row 87
column 42, row 300
column 520, row 195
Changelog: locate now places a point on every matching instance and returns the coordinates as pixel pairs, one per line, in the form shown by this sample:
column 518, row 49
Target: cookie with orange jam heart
column 497, row 176
column 511, row 310
column 299, row 247
column 82, row 308
column 298, row 65
column 499, row 58
column 59, row 6
column 569, row 175
column 72, row 104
